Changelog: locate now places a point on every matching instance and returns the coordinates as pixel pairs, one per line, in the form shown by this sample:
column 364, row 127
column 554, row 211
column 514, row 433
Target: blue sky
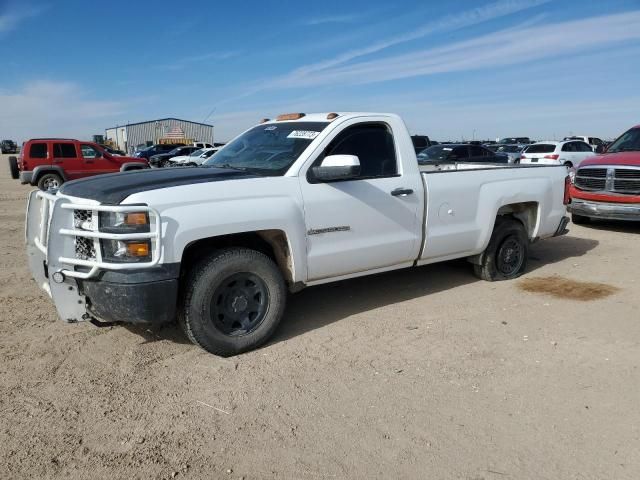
column 454, row 69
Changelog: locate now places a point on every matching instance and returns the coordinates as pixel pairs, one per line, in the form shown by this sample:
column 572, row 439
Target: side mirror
column 98, row 154
column 600, row 149
column 337, row 167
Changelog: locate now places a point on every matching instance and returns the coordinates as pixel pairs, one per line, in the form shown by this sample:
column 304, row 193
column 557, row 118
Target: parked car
column 608, row 186
column 112, row 151
column 569, row 153
column 420, row 142
column 8, row 146
column 49, row 162
column 196, row 158
column 516, row 140
column 460, row 153
column 156, row 149
column 162, row 159
column 295, row 202
column 202, row 145
column 514, row 152
column 597, row 145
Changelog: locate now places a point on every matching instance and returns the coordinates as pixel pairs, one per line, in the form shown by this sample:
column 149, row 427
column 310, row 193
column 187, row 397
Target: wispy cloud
column 506, row 47
column 46, row 108
column 346, row 18
column 190, row 60
column 463, row 19
column 12, row 15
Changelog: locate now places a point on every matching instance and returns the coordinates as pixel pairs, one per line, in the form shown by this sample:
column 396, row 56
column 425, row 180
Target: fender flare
column 128, row 166
column 42, row 169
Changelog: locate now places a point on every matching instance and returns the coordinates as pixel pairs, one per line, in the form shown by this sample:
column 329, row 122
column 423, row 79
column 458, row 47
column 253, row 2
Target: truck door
column 364, row 223
column 95, row 162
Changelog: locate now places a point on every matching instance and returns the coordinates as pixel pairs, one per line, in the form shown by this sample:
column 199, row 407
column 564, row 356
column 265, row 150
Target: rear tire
column 50, row 181
column 13, row 166
column 580, row 219
column 233, row 301
column 505, row 257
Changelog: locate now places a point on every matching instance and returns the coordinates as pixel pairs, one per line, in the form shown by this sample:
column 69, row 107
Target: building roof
column 160, row 120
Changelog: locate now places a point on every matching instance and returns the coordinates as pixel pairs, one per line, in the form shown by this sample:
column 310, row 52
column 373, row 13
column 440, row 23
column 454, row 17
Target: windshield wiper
column 231, row 167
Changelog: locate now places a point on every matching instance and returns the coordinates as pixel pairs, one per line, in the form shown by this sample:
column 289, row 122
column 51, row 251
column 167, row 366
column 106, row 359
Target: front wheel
column 233, row 301
column 49, row 181
column 506, row 255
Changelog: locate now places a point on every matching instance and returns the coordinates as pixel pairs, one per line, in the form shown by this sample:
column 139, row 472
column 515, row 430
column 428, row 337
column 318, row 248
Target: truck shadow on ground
column 316, row 307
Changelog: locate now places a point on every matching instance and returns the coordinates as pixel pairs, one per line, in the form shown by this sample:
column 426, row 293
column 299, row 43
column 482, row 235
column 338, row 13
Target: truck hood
column 619, row 158
column 113, row 188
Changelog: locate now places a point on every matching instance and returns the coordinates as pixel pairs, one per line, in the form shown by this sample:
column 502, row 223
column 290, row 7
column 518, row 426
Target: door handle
column 401, row 192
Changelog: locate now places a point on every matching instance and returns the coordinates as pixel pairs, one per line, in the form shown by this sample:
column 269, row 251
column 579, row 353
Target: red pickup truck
column 607, row 186
column 49, row 162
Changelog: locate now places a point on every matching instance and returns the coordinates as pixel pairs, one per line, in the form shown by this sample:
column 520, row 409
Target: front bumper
column 26, row 177
column 605, row 210
column 91, row 288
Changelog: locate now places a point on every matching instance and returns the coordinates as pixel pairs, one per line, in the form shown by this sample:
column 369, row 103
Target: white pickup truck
column 294, row 202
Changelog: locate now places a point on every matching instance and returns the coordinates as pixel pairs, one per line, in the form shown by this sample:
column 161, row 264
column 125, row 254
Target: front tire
column 49, row 181
column 233, row 301
column 505, row 257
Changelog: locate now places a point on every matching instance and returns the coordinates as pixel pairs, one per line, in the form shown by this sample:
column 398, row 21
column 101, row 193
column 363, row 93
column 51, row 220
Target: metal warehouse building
column 133, row 135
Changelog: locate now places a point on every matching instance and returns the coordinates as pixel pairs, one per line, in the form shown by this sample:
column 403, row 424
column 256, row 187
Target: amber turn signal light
column 137, row 218
column 289, row 116
column 138, row 249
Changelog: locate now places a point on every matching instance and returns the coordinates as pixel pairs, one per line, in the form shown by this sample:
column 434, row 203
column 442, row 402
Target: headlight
column 126, row 251
column 138, row 250
column 124, row 222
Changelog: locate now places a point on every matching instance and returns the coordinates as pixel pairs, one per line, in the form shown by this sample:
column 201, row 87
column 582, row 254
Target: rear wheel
column 13, row 166
column 506, row 255
column 233, row 301
column 579, row 219
column 49, row 181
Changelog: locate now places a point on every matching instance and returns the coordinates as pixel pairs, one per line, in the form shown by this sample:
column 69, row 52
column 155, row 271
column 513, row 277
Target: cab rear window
column 541, row 148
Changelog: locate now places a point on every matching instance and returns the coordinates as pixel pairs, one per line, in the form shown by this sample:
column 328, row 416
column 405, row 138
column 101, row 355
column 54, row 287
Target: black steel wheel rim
column 510, row 256
column 239, row 304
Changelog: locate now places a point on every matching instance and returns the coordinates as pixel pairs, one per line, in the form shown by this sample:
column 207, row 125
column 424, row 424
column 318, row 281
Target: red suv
column 49, row 162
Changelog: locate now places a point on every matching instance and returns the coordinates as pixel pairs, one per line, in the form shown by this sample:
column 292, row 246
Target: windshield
column 628, row 142
column 269, row 149
column 197, row 153
column 435, row 152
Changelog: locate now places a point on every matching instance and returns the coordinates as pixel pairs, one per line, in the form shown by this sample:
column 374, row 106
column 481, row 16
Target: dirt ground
column 422, row 373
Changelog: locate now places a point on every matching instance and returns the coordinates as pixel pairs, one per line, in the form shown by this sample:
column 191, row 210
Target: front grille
column 617, row 180
column 591, row 178
column 83, row 219
column 85, row 250
column 626, row 180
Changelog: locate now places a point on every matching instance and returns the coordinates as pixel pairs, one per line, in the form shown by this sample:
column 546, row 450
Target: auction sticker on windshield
column 308, row 134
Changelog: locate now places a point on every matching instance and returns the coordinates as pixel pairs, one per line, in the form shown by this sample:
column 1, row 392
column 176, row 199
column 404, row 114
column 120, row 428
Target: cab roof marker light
column 332, row 115
column 289, row 116
column 265, row 120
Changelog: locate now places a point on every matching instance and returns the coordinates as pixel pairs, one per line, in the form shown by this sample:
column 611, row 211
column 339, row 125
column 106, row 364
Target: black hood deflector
column 111, row 189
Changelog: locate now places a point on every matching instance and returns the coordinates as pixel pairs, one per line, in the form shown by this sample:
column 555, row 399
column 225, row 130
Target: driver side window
column 88, row 151
column 373, row 145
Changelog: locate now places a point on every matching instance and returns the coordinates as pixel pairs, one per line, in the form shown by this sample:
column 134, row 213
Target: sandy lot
column 423, row 373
